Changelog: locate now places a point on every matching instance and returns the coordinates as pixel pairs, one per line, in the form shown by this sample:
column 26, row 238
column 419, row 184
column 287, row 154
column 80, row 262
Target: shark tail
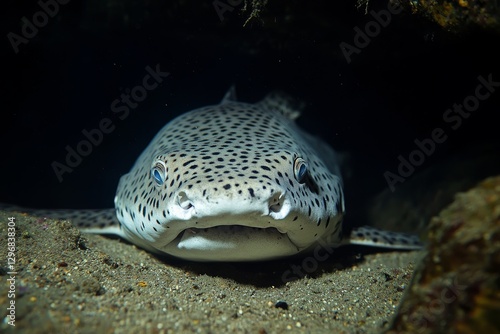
column 373, row 237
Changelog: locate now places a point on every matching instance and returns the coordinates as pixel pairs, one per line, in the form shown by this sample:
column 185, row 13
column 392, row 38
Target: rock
column 455, row 289
column 461, row 15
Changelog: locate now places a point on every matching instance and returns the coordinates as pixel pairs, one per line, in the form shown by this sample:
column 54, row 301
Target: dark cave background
column 394, row 91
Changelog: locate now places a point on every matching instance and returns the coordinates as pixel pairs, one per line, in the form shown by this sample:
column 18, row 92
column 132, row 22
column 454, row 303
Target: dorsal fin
column 282, row 103
column 230, row 95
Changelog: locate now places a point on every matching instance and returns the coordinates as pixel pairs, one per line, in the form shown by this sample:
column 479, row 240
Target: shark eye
column 158, row 172
column 300, row 170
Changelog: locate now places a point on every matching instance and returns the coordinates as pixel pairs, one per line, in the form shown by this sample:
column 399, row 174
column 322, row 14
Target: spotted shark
column 232, row 181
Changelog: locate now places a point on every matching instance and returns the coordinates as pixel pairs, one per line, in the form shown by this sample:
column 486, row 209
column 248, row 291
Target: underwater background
column 409, row 95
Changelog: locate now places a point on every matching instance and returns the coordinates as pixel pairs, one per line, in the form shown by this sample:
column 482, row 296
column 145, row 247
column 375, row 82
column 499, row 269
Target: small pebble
column 281, row 304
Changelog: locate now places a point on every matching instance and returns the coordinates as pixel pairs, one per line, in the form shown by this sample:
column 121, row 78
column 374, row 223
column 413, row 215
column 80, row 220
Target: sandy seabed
column 71, row 282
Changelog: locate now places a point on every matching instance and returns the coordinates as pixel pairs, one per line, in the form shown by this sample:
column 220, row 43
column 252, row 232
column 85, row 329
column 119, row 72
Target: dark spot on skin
column 227, row 186
column 250, row 190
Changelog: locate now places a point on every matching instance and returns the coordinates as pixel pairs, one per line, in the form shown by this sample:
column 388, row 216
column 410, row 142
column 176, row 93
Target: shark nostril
column 275, row 207
column 279, row 206
column 276, row 202
column 183, row 201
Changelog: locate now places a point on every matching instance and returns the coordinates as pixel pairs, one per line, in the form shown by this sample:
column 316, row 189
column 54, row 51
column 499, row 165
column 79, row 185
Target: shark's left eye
column 158, row 172
column 300, row 170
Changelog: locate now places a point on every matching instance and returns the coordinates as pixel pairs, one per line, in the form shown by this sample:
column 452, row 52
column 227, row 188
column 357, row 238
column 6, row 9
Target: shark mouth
column 231, row 243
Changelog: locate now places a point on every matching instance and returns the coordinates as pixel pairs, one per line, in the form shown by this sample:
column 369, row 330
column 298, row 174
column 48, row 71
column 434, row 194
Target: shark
column 233, row 181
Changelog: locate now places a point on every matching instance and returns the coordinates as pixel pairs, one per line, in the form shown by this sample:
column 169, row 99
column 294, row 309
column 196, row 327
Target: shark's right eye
column 158, row 172
column 300, row 170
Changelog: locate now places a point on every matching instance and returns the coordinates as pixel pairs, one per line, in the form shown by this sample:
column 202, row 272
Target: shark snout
column 191, row 204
